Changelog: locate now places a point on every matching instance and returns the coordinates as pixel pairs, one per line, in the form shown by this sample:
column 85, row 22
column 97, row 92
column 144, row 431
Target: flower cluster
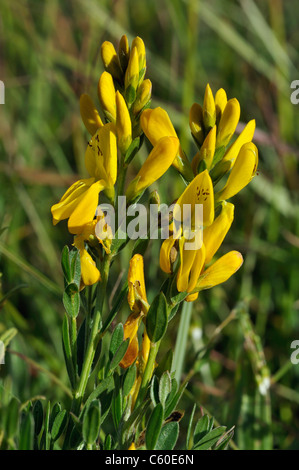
column 212, row 126
column 219, row 170
column 123, row 94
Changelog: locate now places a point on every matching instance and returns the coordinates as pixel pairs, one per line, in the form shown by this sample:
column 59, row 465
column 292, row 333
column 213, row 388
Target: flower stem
column 147, row 372
column 181, row 343
column 94, row 335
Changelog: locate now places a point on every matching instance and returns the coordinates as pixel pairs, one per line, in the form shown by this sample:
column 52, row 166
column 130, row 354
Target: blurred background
column 49, row 55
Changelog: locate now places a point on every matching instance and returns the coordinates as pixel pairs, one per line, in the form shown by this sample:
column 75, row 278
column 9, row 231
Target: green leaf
column 172, row 403
column 156, row 319
column 67, row 350
column 105, row 388
column 168, row 436
column 65, row 263
column 26, row 433
column 12, row 418
column 117, row 402
column 130, row 94
column 121, row 351
column 116, row 339
column 92, row 422
column 71, row 300
column 116, row 307
column 59, row 425
column 189, row 430
column 164, row 387
column 154, row 390
column 55, row 411
column 132, row 150
column 129, row 380
column 38, row 415
column 154, row 426
column 201, row 429
column 165, row 363
column 210, row 439
column 74, row 256
column 108, row 442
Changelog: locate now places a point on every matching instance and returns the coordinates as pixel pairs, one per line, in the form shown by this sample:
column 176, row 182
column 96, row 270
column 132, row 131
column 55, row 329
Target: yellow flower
column 89, row 272
column 245, row 137
column 156, row 124
column 132, row 446
column 123, row 124
column 80, row 201
column 220, row 103
column 106, row 94
column 199, row 191
column 111, row 61
column 192, row 275
column 143, row 96
column 196, row 123
column 132, row 76
column 228, row 123
column 139, row 44
column 207, row 151
column 124, row 52
column 208, row 109
column 138, row 304
column 243, row 171
column 89, row 114
column 156, row 164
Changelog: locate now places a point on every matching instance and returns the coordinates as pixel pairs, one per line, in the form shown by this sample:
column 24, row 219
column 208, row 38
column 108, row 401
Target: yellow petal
column 207, row 150
column 228, row 122
column 220, row 103
column 156, row 164
column 85, row 210
column 71, row 198
column 196, row 123
column 191, row 297
column 89, row 114
column 106, row 93
column 214, row 235
column 156, row 124
column 124, row 52
column 139, row 44
column 123, row 124
column 111, row 61
column 132, row 446
column 245, row 136
column 136, row 283
column 89, row 272
column 132, row 76
column 242, row 172
column 145, row 348
column 101, row 155
column 130, row 331
column 191, row 264
column 209, row 109
column 199, row 191
column 220, row 271
column 166, row 254
column 144, row 93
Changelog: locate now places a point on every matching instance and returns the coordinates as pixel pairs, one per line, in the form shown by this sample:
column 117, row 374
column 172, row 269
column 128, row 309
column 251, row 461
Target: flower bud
column 106, row 93
column 111, row 61
column 123, row 124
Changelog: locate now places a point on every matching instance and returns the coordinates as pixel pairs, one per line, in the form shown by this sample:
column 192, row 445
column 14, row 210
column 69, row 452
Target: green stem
column 181, row 343
column 73, row 330
column 94, row 335
column 147, row 372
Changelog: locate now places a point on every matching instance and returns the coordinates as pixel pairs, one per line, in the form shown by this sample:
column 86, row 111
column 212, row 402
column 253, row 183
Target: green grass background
column 49, row 55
